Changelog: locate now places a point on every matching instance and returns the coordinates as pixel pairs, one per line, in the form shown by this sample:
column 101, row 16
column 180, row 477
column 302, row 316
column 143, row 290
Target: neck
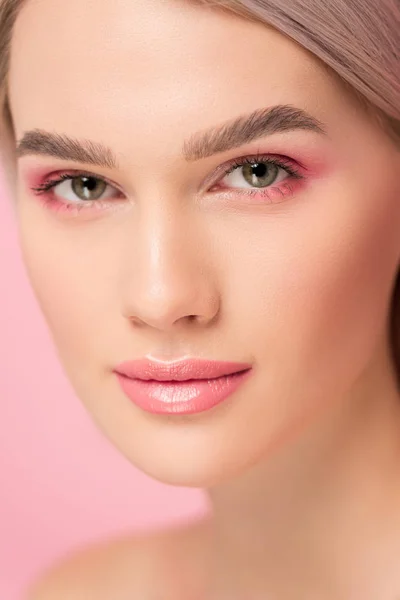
column 320, row 515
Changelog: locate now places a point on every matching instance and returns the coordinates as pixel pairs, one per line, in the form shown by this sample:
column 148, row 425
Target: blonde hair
column 358, row 40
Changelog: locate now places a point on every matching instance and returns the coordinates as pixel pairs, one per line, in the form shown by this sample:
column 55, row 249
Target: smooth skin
column 301, row 465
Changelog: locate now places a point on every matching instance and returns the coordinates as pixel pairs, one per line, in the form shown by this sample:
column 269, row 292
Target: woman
column 210, row 191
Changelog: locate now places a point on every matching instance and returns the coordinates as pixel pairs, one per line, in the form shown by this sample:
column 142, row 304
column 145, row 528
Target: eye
column 83, row 188
column 258, row 172
column 76, row 188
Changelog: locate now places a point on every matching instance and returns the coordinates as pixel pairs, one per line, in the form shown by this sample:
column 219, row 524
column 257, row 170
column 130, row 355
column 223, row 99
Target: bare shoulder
column 166, row 564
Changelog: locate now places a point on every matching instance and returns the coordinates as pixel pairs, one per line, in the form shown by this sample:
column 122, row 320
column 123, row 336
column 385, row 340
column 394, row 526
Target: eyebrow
column 44, row 143
column 220, row 138
column 247, row 128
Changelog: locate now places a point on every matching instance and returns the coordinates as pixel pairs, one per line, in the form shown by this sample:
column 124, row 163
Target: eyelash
column 282, row 162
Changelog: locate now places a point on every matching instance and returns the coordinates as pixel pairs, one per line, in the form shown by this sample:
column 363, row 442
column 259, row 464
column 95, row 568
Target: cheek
column 69, row 289
column 319, row 302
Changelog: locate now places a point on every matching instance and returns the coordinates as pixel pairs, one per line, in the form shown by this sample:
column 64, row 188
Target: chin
column 188, row 472
column 183, row 455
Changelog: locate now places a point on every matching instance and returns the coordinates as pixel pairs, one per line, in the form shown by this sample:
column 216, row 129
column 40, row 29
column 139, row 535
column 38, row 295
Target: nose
column 172, row 280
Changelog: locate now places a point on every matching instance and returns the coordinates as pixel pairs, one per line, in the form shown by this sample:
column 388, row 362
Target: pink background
column 62, row 483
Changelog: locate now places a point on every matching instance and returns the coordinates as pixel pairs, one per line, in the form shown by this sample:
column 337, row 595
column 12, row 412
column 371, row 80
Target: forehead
column 155, row 64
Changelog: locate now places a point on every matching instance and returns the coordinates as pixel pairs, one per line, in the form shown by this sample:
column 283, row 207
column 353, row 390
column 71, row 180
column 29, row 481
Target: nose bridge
column 172, row 276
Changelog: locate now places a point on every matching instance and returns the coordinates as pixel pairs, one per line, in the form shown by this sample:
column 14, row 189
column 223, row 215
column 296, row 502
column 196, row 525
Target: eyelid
column 58, row 177
column 223, row 169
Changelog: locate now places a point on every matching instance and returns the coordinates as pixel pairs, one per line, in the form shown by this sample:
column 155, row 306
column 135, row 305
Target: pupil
column 89, row 182
column 259, row 170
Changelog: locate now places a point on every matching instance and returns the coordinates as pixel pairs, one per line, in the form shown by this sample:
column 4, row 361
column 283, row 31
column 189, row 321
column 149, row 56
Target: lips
column 181, row 387
column 181, row 370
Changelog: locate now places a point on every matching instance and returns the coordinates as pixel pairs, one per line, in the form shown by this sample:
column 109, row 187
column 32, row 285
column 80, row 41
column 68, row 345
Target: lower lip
column 181, row 397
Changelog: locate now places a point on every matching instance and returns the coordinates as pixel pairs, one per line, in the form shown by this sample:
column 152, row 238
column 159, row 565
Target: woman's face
column 288, row 266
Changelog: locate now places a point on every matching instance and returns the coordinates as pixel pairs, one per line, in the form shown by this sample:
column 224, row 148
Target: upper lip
column 179, row 370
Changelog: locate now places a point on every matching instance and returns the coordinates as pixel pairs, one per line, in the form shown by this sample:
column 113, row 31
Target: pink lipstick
column 181, row 387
